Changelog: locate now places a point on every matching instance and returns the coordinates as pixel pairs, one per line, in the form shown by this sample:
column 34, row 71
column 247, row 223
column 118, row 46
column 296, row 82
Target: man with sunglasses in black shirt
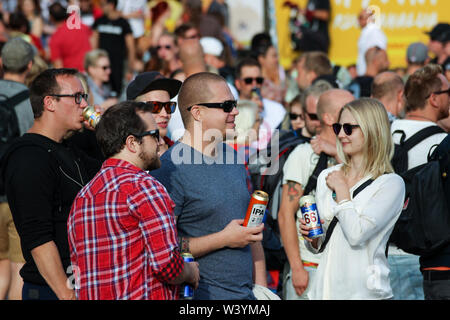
column 156, row 91
column 42, row 174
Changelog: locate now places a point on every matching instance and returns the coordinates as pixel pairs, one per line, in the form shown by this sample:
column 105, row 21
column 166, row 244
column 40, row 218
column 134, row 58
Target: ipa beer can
column 187, row 291
column 256, row 209
column 311, row 216
column 91, row 116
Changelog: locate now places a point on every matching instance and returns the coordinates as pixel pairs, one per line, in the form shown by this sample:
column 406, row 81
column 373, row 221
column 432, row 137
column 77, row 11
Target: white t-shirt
column 353, row 264
column 371, row 36
column 129, row 6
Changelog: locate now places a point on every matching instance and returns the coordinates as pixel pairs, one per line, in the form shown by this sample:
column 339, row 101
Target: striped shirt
column 122, row 236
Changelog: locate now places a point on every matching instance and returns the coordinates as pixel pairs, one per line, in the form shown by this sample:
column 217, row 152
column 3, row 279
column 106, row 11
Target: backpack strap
column 418, row 137
column 335, row 220
column 11, row 102
column 321, row 165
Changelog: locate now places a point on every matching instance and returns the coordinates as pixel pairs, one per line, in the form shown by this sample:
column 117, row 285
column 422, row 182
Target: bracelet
column 183, row 244
column 343, row 201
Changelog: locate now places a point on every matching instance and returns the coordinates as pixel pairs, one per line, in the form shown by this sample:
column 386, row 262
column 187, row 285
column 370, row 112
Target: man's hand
column 300, row 279
column 238, row 236
column 194, row 274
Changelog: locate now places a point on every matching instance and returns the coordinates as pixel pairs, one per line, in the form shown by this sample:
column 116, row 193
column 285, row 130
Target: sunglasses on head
column 79, row 96
column 157, row 106
column 294, row 116
column 348, row 128
column 227, row 106
column 249, row 80
column 153, row 133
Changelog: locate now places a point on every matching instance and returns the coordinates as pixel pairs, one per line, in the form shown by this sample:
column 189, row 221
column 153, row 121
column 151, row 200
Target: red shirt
column 70, row 43
column 122, row 236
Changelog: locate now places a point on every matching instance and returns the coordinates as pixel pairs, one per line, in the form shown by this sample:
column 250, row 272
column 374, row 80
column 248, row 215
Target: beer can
column 91, row 116
column 256, row 209
column 187, row 291
column 311, row 216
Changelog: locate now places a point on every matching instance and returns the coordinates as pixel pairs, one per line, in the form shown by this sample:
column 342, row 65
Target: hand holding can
column 256, row 209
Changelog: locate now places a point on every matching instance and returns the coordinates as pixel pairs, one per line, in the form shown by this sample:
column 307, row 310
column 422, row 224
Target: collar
column 114, row 162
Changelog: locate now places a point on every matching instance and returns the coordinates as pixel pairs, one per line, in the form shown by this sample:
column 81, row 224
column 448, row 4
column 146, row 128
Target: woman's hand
column 336, row 181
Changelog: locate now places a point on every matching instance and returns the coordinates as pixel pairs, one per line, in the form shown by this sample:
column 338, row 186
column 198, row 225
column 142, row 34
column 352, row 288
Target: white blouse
column 353, row 264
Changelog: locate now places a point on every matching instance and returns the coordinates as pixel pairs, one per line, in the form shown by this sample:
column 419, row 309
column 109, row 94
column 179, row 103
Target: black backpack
column 400, row 159
column 423, row 227
column 9, row 124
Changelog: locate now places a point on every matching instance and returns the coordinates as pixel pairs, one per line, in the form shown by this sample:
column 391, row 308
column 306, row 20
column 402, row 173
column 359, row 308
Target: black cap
column 148, row 81
column 439, row 32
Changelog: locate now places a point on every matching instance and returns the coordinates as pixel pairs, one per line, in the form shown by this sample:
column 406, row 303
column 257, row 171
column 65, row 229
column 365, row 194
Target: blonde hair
column 378, row 150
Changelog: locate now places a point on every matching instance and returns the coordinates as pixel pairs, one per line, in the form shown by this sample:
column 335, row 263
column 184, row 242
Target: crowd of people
column 111, row 208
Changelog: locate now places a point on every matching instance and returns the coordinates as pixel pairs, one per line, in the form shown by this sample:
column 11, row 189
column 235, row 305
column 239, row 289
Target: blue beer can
column 311, row 216
column 187, row 291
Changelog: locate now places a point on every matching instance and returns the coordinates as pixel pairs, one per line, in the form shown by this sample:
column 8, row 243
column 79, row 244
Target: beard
column 151, row 162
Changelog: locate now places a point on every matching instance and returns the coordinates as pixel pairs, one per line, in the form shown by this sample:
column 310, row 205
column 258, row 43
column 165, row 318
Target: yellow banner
column 403, row 22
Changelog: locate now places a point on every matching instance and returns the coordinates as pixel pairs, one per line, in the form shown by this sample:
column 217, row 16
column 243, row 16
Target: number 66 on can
column 311, row 216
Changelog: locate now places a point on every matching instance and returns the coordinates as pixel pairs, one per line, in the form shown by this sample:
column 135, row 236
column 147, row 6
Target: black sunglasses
column 79, row 96
column 249, row 80
column 439, row 92
column 153, row 133
column 105, row 67
column 294, row 116
column 313, row 116
column 156, row 106
column 227, row 106
column 166, row 47
column 348, row 128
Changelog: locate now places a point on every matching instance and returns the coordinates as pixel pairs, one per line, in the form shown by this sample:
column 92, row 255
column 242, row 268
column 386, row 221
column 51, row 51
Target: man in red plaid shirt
column 122, row 233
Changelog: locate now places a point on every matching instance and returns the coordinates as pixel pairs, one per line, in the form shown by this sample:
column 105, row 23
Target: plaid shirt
column 122, row 236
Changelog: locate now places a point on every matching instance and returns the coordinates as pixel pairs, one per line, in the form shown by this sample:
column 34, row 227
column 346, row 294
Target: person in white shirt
column 371, row 36
column 353, row 264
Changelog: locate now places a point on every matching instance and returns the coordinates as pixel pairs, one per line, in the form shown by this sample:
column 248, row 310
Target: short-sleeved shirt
column 209, row 194
column 122, row 236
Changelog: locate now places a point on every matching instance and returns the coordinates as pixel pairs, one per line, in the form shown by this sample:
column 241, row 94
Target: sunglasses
column 227, row 106
column 157, row 106
column 439, row 92
column 249, row 80
column 167, row 47
column 348, row 128
column 105, row 67
column 153, row 133
column 294, row 116
column 79, row 96
column 313, row 116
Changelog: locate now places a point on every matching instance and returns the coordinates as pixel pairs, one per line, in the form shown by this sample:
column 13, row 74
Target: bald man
column 211, row 194
column 298, row 168
column 388, row 88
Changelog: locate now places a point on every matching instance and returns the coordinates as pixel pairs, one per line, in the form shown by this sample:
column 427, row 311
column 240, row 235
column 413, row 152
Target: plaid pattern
column 122, row 236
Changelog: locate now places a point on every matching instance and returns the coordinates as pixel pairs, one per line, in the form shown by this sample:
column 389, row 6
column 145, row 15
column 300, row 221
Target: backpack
column 9, row 124
column 400, row 159
column 423, row 227
column 267, row 176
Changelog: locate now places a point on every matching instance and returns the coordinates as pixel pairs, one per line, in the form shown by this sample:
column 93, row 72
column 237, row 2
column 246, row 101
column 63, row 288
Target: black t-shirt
column 112, row 37
column 316, row 24
column 42, row 179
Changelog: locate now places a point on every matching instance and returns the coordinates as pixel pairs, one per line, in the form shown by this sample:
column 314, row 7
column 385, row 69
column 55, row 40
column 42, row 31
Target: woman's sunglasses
column 157, row 106
column 294, row 116
column 348, row 128
column 227, row 106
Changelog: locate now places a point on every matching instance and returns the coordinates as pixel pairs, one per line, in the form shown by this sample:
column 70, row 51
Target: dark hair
column 420, row 85
column 113, row 2
column 44, row 85
column 245, row 62
column 57, row 12
column 19, row 22
column 117, row 123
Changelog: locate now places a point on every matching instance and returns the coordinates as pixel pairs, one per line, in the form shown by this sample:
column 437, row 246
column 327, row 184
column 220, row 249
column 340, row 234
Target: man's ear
column 49, row 103
column 196, row 113
column 327, row 119
column 131, row 144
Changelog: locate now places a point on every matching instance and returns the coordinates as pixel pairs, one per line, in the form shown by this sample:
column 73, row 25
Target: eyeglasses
column 249, row 80
column 153, row 133
column 294, row 116
column 156, row 106
column 348, row 128
column 227, row 106
column 313, row 116
column 167, row 47
column 79, row 96
column 439, row 92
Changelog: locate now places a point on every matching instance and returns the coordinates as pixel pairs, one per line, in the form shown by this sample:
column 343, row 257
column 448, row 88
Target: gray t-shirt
column 208, row 194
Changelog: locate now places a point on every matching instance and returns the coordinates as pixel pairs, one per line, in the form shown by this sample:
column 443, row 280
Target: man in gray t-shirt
column 211, row 194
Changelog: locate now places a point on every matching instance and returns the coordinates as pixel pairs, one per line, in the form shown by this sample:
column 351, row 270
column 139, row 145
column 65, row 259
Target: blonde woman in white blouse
column 353, row 263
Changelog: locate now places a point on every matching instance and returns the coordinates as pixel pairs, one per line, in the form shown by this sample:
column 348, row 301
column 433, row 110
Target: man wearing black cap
column 439, row 35
column 156, row 90
column 17, row 59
